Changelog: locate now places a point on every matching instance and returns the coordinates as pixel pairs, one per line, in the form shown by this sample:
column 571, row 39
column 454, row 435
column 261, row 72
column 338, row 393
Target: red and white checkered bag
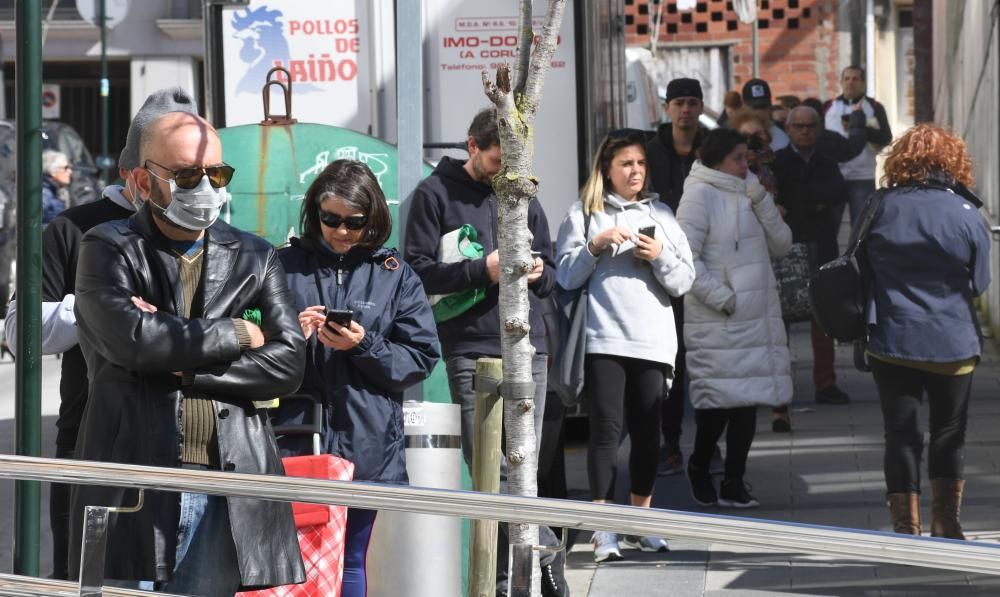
column 320, row 529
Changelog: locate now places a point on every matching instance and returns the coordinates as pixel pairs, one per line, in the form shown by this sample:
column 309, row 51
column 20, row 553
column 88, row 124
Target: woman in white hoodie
column 737, row 350
column 632, row 257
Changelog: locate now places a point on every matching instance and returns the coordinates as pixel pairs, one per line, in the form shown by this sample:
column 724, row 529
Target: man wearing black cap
column 757, row 97
column 669, row 157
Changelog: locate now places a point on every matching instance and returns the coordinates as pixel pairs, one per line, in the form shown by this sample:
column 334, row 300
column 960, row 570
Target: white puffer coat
column 737, row 351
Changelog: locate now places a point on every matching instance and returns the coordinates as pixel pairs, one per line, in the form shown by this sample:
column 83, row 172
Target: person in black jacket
column 176, row 373
column 669, row 157
column 810, row 188
column 456, row 194
column 358, row 369
column 60, row 252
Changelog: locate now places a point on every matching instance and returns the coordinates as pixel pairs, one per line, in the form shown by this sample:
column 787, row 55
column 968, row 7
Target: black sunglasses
column 189, row 178
column 334, row 221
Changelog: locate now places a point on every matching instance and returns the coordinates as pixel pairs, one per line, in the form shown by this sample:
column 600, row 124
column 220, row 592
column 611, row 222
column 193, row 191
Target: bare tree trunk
column 517, row 98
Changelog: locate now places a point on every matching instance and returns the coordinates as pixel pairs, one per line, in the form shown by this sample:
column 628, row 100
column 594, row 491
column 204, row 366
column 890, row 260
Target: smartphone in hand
column 649, row 231
column 339, row 316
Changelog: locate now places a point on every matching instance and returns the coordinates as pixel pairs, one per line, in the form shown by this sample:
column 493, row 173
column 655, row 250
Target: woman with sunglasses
column 737, row 349
column 357, row 368
column 625, row 245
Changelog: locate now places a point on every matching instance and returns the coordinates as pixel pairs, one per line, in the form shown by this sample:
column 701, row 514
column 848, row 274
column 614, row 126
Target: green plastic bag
column 457, row 245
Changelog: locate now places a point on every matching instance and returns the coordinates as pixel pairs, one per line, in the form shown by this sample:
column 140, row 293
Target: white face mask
column 133, row 193
column 194, row 209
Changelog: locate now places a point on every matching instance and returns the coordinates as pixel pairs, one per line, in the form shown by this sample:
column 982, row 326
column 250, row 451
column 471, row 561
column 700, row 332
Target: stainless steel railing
column 766, row 535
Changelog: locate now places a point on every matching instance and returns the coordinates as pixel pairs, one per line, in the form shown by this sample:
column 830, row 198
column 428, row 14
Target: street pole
column 409, row 116
column 756, row 50
column 870, row 47
column 105, row 89
column 28, row 368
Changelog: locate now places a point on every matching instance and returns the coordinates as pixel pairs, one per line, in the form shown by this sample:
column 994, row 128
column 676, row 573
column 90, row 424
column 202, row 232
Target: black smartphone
column 649, row 231
column 340, row 316
column 536, row 254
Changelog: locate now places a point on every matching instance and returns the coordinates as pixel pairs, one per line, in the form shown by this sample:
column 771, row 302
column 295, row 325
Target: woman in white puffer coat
column 737, row 348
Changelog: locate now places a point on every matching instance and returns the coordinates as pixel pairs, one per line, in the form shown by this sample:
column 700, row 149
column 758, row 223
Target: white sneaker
column 650, row 544
column 605, row 547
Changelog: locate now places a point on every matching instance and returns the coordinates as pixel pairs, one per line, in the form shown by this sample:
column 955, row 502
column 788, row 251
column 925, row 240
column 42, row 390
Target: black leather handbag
column 836, row 290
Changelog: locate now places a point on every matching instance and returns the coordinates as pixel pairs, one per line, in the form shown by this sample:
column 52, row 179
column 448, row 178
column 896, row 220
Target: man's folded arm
column 273, row 370
column 131, row 338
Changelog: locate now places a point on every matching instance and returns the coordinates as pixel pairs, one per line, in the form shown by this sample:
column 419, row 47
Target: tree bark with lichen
column 517, row 95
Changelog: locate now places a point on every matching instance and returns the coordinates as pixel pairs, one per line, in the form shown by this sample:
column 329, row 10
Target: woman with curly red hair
column 926, row 257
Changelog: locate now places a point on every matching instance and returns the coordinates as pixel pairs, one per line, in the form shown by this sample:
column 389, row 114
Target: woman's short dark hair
column 353, row 183
column 719, row 143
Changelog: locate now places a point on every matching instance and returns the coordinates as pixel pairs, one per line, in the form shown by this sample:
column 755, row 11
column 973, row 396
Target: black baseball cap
column 683, row 88
column 757, row 93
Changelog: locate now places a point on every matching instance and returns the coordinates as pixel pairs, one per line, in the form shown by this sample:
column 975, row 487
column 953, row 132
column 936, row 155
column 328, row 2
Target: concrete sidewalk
column 827, row 471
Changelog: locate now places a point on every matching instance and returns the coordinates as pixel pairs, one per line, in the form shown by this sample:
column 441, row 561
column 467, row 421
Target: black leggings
column 901, row 390
column 740, row 425
column 617, row 388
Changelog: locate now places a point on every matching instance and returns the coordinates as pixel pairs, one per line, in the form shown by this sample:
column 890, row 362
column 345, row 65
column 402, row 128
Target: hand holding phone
column 340, row 331
column 341, row 317
column 649, row 231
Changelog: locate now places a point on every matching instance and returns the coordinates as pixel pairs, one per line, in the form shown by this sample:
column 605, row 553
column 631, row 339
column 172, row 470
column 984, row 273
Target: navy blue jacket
column 362, row 389
column 926, row 257
column 52, row 205
column 444, row 201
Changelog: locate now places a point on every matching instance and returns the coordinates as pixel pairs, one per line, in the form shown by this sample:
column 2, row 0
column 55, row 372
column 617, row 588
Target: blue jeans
column 461, row 371
column 206, row 561
column 858, row 192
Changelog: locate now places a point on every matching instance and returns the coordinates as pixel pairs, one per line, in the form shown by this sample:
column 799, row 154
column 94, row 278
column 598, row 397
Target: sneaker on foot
column 702, row 487
column 831, row 394
column 650, row 544
column 673, row 461
column 717, row 466
column 605, row 547
column 734, row 493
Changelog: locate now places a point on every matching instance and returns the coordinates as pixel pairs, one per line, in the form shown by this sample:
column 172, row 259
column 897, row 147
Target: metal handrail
column 12, row 585
column 768, row 535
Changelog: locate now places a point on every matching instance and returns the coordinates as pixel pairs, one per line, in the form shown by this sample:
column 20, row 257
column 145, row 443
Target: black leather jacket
column 134, row 409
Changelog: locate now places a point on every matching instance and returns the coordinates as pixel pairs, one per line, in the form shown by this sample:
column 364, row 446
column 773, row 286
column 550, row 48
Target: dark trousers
column 357, row 536
column 901, row 390
column 739, row 424
column 59, row 513
column 619, row 388
column 824, row 357
column 672, row 409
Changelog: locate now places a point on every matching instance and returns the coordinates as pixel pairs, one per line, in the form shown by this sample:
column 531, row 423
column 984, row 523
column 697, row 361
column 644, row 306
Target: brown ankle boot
column 945, row 506
column 905, row 511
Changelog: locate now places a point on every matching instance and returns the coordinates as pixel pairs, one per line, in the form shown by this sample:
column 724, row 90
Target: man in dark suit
column 810, row 188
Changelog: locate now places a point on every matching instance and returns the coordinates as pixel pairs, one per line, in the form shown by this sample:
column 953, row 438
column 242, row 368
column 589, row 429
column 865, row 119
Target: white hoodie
column 628, row 311
column 737, row 351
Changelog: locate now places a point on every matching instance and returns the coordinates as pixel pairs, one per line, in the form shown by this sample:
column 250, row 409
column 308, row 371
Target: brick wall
column 798, row 39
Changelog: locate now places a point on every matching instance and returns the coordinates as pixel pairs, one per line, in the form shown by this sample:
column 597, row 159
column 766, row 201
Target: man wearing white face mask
column 175, row 372
column 60, row 251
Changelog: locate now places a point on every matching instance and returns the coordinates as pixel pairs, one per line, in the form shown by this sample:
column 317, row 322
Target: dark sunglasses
column 334, row 221
column 189, row 178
